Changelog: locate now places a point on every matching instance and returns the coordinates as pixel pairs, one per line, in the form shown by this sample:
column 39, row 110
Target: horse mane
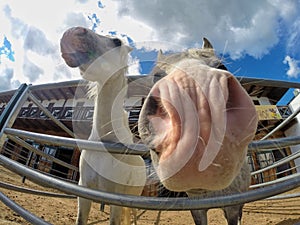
column 166, row 62
column 93, row 87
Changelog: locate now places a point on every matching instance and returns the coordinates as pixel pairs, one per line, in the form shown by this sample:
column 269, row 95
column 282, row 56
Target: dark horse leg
column 233, row 214
column 199, row 216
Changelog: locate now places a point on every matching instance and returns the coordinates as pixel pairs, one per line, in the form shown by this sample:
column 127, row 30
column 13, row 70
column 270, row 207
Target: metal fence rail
column 278, row 163
column 34, row 192
column 33, row 219
column 119, row 148
column 135, row 149
column 151, row 203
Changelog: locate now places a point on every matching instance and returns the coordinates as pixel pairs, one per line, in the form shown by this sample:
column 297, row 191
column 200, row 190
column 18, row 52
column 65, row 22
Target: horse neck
column 110, row 119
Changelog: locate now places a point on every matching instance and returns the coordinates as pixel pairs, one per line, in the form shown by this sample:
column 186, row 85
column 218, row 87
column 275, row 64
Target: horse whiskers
column 202, row 140
column 236, row 108
column 236, row 71
column 246, row 138
column 106, row 135
column 163, row 192
column 118, row 121
column 224, row 49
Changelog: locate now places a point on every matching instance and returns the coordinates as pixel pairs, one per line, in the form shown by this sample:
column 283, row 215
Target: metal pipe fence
column 151, row 203
column 30, row 217
column 135, row 149
column 278, row 163
column 271, row 188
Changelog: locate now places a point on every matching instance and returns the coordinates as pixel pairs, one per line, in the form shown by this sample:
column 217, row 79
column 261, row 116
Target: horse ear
column 160, row 55
column 206, row 44
column 129, row 49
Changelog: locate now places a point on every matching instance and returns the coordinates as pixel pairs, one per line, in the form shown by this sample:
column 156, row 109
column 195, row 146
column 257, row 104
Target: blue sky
column 259, row 38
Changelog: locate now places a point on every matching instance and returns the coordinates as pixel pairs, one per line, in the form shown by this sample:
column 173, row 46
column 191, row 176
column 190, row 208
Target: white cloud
column 36, row 41
column 34, row 36
column 73, row 19
column 294, row 69
column 7, row 81
column 250, row 27
column 31, row 70
column 133, row 65
column 244, row 27
column 294, row 38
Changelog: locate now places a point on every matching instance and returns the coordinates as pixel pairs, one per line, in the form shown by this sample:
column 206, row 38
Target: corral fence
column 22, row 138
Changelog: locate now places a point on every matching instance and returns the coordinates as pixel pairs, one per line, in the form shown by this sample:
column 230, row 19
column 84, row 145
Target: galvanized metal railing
column 153, row 203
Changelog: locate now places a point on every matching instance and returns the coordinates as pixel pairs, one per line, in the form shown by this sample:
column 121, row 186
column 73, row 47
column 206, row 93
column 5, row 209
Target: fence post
column 12, row 109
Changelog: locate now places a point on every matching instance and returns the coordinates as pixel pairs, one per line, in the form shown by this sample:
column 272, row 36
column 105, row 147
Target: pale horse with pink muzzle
column 103, row 61
column 198, row 120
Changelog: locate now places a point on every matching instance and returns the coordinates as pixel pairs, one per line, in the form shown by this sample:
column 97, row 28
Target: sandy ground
column 63, row 211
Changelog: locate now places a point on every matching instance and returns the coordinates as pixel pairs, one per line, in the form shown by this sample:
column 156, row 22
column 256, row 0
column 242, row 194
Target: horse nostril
column 151, row 106
column 81, row 30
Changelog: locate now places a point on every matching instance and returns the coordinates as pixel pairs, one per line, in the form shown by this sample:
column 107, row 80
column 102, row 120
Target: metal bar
column 39, row 152
column 285, row 122
column 12, row 105
column 278, row 163
column 256, row 146
column 22, row 212
column 27, row 164
column 137, row 149
column 118, row 148
column 268, row 82
column 152, row 203
column 280, row 180
column 46, row 111
column 286, row 171
column 11, row 111
column 287, row 196
column 34, row 192
column 242, row 80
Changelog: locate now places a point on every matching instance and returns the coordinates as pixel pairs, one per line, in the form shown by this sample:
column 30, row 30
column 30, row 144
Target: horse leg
column 126, row 216
column 87, row 179
column 115, row 215
column 134, row 215
column 84, row 206
column 233, row 214
column 199, row 216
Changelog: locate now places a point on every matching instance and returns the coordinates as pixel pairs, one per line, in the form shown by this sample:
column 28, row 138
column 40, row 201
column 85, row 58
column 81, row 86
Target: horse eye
column 222, row 67
column 117, row 42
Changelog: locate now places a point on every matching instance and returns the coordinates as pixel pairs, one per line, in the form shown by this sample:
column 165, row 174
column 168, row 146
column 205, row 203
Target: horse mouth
column 76, row 59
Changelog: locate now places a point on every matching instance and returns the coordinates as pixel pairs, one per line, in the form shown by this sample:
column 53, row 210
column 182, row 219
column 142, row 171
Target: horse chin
column 182, row 173
column 75, row 59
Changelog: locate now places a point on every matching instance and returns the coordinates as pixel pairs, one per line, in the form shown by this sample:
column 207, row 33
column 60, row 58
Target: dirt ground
column 63, row 211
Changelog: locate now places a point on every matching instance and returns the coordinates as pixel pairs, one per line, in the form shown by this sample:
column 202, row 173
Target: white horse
column 103, row 61
column 198, row 121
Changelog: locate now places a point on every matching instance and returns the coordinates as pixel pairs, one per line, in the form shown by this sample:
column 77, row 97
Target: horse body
column 198, row 121
column 103, row 60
